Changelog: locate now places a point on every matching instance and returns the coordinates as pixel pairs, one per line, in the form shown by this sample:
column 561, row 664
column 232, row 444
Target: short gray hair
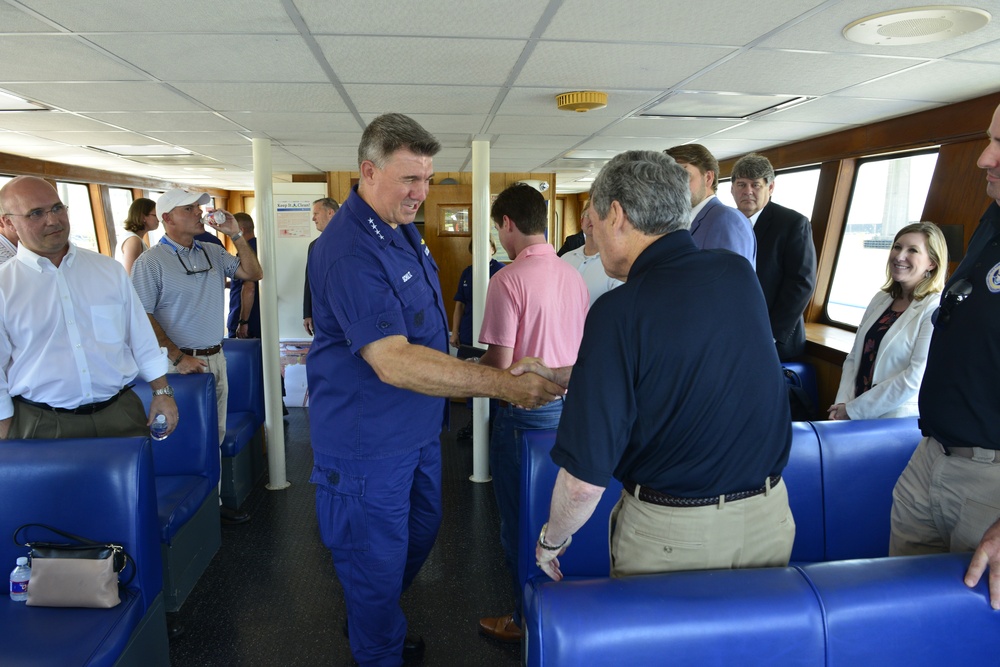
column 753, row 166
column 391, row 132
column 651, row 188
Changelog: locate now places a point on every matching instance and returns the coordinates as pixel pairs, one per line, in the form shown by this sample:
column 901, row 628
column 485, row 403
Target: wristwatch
column 241, row 323
column 549, row 547
column 164, row 391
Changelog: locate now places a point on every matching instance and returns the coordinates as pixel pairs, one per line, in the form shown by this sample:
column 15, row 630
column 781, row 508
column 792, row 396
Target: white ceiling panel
column 10, row 142
column 265, row 97
column 554, row 142
column 182, row 16
column 580, row 124
column 233, row 58
column 372, row 100
column 628, row 66
column 59, row 58
column 847, row 110
column 512, row 18
column 659, row 21
column 439, row 124
column 941, row 81
column 666, row 127
column 13, row 21
column 794, row 72
column 49, row 120
column 615, row 145
column 987, row 53
column 281, row 124
column 775, row 131
column 98, row 138
column 429, row 60
column 165, row 121
column 102, row 96
column 201, row 138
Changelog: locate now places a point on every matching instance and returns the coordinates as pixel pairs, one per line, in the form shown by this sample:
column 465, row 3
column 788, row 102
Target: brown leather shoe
column 502, row 628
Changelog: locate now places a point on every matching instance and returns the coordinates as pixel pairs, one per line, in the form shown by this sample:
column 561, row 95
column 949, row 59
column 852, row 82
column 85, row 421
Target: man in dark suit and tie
column 713, row 224
column 786, row 256
column 322, row 213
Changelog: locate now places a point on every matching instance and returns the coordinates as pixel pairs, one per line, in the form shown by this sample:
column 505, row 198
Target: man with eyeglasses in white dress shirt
column 73, row 335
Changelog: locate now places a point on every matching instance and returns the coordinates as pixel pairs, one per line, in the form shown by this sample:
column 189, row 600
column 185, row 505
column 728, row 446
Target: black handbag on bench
column 81, row 574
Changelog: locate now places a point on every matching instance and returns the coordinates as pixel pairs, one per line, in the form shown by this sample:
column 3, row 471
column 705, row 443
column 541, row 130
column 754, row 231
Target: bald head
column 40, row 220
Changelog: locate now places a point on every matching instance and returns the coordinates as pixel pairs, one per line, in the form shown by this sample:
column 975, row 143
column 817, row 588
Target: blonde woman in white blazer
column 881, row 376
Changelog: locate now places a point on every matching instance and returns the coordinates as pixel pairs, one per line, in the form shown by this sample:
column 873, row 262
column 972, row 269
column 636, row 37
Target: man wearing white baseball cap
column 181, row 283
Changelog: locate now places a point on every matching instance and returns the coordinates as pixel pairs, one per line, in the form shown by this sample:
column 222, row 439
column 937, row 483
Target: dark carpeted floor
column 270, row 596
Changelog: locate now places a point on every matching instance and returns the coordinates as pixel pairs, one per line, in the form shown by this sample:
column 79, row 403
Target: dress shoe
column 413, row 645
column 231, row 517
column 501, row 628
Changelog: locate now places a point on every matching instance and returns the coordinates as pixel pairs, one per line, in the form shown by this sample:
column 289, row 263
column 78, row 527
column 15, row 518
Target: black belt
column 88, row 409
column 648, row 495
column 201, row 352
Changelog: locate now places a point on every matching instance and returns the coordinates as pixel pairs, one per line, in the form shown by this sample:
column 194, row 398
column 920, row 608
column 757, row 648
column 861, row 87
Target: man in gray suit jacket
column 786, row 256
column 713, row 224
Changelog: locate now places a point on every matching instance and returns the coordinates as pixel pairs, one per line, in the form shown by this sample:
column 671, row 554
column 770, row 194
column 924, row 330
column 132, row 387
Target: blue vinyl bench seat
column 102, row 489
column 187, row 480
column 842, row 602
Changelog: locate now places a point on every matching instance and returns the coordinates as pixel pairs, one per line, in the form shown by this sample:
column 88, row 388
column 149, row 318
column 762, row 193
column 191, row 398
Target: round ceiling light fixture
column 916, row 25
column 582, row 100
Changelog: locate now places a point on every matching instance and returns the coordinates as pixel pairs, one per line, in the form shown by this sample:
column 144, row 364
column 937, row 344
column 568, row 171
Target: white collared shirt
column 72, row 334
column 590, row 267
column 753, row 218
column 696, row 209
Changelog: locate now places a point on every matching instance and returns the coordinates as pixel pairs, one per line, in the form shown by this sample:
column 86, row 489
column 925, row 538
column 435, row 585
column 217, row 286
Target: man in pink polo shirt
column 535, row 307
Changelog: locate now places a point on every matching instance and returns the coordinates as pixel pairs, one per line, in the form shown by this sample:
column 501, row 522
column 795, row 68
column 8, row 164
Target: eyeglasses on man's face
column 190, row 271
column 39, row 214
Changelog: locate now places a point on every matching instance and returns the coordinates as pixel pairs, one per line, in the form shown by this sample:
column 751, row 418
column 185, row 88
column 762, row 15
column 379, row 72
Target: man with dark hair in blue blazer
column 786, row 256
column 713, row 224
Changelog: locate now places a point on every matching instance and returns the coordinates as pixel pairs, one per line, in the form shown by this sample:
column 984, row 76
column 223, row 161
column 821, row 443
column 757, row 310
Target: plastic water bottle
column 19, row 580
column 158, row 431
column 213, row 218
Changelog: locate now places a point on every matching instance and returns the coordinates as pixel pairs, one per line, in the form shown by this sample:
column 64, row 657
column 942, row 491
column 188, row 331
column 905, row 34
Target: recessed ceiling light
column 916, row 25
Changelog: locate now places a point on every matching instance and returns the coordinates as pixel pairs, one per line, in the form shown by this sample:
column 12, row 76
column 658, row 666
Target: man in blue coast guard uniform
column 378, row 373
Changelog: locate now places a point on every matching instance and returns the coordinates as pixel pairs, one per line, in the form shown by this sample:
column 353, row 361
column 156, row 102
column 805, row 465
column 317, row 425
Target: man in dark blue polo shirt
column 948, row 497
column 378, row 373
column 677, row 391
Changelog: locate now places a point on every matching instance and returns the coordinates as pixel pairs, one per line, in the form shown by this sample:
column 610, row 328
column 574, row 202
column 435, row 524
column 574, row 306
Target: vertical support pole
column 268, row 295
column 480, row 279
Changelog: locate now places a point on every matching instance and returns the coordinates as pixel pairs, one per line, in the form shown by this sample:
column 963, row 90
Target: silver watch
column 164, row 391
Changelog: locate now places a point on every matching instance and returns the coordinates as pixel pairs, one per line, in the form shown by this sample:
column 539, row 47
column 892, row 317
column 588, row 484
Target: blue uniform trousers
column 379, row 518
column 505, row 465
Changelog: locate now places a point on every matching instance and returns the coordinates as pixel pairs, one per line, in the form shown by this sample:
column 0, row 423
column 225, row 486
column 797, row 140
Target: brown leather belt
column 86, row 409
column 654, row 497
column 201, row 352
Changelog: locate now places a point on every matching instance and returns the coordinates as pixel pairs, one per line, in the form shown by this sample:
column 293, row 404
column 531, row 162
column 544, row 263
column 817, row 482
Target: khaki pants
column 943, row 503
column 753, row 532
column 217, row 367
column 124, row 417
